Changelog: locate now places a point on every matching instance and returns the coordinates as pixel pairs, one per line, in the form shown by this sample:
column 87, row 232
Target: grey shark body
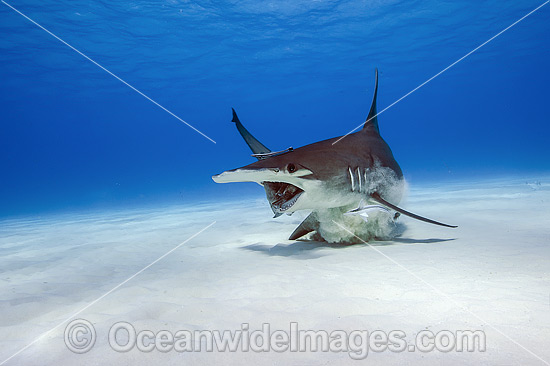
column 327, row 177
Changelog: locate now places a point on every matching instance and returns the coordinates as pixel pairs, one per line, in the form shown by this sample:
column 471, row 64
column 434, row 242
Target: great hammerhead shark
column 329, row 177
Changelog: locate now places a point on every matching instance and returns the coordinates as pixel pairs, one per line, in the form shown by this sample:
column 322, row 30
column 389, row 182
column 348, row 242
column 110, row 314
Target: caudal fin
column 256, row 146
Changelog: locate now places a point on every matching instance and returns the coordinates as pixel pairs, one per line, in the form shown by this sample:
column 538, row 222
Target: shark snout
column 260, row 175
column 248, row 175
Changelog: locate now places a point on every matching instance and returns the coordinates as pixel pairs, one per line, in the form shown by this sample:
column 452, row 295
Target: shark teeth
column 288, row 204
column 282, row 196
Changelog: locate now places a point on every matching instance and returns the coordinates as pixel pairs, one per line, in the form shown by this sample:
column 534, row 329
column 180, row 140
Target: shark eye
column 291, row 168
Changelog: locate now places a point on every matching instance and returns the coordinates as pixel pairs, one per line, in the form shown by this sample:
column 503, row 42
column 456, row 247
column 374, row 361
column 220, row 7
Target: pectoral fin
column 375, row 196
column 311, row 223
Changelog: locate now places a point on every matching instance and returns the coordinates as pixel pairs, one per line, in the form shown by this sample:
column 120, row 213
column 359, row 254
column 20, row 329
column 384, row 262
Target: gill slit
column 351, row 179
column 359, row 177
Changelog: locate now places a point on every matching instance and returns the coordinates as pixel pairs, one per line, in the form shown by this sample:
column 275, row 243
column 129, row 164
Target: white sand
column 490, row 274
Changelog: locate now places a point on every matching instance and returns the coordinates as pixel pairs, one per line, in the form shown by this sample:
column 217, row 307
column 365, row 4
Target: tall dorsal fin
column 371, row 124
column 256, row 146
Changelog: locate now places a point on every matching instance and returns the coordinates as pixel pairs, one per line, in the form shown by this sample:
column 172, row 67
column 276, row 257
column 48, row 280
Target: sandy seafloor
column 490, row 274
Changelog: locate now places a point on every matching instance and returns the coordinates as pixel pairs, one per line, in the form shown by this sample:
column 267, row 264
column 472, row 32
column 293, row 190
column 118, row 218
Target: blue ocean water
column 72, row 136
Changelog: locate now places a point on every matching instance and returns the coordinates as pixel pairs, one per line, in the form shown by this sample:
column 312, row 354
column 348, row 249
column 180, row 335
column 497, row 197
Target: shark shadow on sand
column 310, row 249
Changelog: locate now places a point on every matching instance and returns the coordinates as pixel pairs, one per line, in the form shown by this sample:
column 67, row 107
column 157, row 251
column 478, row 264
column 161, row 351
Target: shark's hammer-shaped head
column 287, row 181
column 313, row 177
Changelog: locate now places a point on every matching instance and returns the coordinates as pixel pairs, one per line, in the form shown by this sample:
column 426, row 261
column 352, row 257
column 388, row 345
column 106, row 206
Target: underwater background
column 73, row 137
column 108, row 210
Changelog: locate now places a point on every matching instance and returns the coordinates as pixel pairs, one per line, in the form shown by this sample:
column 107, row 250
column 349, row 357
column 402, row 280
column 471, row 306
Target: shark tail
column 256, row 146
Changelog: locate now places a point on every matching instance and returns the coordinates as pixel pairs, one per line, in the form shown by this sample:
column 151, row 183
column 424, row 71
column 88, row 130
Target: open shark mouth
column 281, row 196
